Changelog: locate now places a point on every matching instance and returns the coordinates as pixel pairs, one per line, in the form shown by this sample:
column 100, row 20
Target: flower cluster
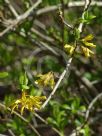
column 28, row 102
column 69, row 48
column 85, row 46
column 46, row 80
column 85, row 49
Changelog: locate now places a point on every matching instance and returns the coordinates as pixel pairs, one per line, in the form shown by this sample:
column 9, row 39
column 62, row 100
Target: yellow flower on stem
column 69, row 48
column 46, row 80
column 87, row 52
column 89, row 44
column 28, row 102
column 87, row 39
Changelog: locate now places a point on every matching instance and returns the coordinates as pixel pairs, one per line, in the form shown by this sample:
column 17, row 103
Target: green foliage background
column 36, row 46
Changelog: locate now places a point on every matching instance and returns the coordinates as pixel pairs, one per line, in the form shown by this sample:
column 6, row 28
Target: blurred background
column 35, row 44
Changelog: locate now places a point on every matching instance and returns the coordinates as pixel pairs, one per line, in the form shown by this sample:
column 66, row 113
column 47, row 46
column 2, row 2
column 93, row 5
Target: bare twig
column 87, row 4
column 28, row 12
column 91, row 105
column 20, row 18
column 87, row 114
column 70, row 4
column 11, row 8
column 64, row 22
column 11, row 132
column 58, row 82
column 85, row 82
column 44, row 121
column 62, row 27
column 45, row 37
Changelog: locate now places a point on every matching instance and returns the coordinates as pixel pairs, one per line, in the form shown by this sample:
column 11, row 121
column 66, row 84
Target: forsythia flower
column 87, row 52
column 87, row 39
column 69, row 48
column 28, row 102
column 46, row 80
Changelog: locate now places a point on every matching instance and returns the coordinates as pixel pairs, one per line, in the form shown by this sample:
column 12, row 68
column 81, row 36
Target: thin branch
column 62, row 27
column 64, row 22
column 40, row 34
column 91, row 105
column 69, row 5
column 28, row 12
column 11, row 132
column 68, row 63
column 44, row 121
column 58, row 82
column 85, row 82
column 20, row 18
column 87, row 114
column 11, row 8
column 87, row 4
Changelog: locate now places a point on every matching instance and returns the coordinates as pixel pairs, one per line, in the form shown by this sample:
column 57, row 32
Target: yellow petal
column 18, row 101
column 90, row 44
column 22, row 110
column 46, row 80
column 87, row 52
column 88, row 38
column 69, row 48
column 13, row 108
column 28, row 102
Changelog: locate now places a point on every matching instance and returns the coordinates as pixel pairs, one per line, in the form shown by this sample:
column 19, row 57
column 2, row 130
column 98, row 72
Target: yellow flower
column 28, row 102
column 87, row 52
column 89, row 44
column 46, row 80
column 88, row 38
column 69, row 48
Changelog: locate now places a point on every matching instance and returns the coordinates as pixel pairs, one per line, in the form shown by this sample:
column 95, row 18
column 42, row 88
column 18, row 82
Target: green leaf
column 23, row 80
column 66, row 107
column 85, row 131
column 77, row 34
column 88, row 17
column 3, row 74
column 52, row 121
column 82, row 108
column 25, row 87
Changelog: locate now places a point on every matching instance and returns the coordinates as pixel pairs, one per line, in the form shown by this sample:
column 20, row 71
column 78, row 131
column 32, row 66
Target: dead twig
column 66, row 6
column 44, row 121
column 11, row 8
column 92, row 104
column 20, row 18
